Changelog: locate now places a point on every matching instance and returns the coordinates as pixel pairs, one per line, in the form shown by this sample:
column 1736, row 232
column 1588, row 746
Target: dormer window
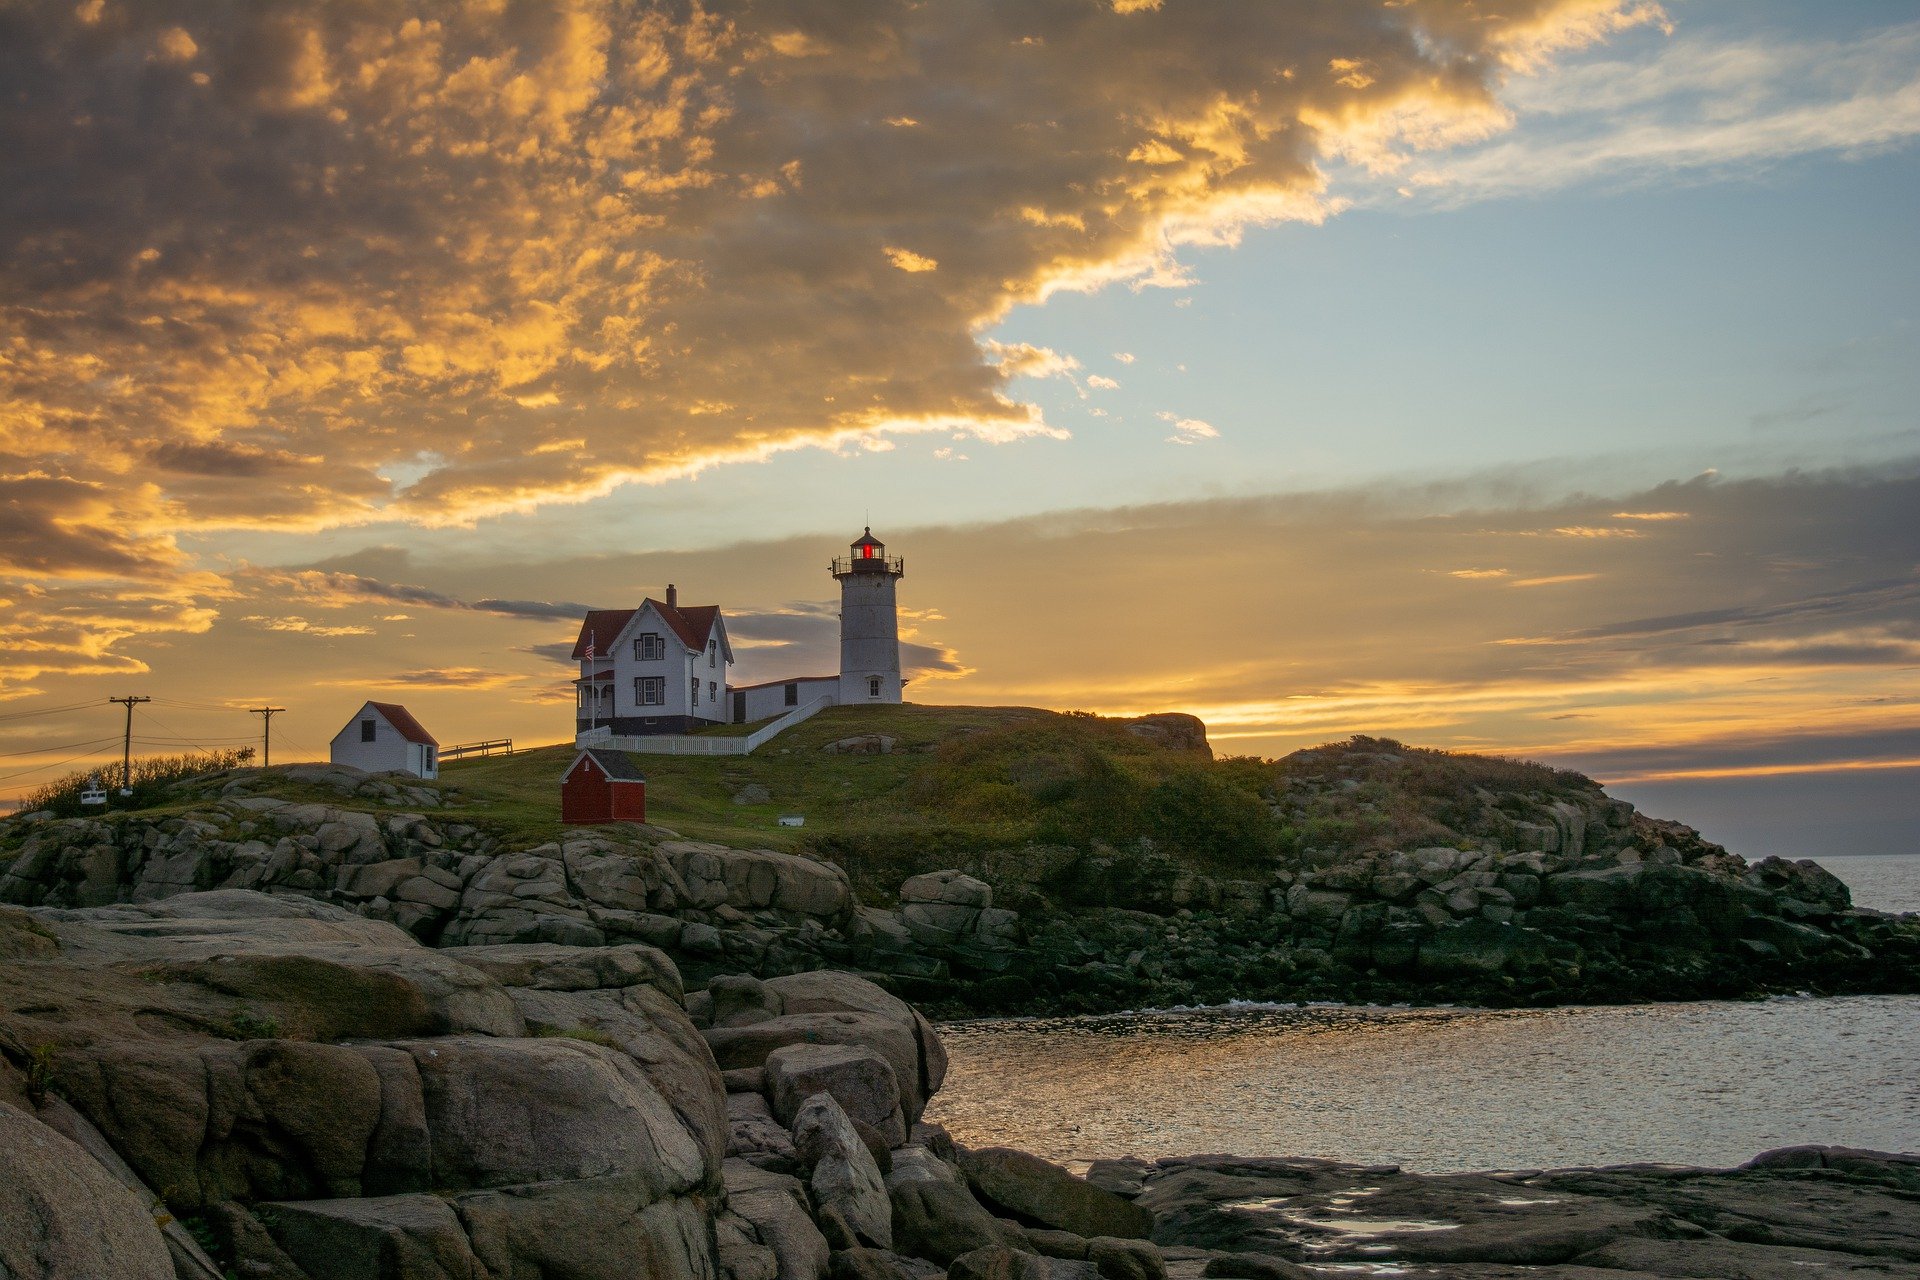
column 650, row 647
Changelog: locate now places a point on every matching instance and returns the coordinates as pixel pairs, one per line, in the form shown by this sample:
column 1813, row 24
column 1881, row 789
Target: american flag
column 589, row 646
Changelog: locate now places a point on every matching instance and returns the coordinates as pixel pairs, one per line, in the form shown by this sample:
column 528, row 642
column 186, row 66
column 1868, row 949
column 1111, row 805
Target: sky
column 1535, row 377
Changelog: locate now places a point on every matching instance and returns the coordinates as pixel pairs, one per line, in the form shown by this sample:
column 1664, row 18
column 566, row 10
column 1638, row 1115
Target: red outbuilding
column 603, row 786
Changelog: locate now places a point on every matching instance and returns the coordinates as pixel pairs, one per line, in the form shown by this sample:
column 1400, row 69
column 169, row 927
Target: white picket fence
column 673, row 744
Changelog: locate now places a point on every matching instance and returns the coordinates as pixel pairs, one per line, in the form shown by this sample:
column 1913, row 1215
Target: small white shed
column 384, row 737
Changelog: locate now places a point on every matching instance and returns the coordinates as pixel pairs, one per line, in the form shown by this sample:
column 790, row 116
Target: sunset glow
column 1538, row 379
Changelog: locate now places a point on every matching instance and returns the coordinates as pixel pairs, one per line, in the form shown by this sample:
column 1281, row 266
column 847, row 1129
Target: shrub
column 1206, row 816
column 150, row 778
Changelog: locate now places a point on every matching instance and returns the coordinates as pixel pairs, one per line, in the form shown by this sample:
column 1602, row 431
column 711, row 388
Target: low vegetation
column 150, row 781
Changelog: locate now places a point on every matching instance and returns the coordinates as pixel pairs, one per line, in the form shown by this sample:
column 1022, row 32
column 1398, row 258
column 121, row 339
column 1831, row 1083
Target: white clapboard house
column 384, row 737
column 661, row 668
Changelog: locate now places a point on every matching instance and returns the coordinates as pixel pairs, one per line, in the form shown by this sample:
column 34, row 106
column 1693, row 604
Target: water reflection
column 1445, row 1089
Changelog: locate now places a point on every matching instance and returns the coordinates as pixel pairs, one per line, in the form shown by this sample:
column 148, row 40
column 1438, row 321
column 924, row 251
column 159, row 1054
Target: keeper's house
column 384, row 737
column 661, row 668
column 602, row 786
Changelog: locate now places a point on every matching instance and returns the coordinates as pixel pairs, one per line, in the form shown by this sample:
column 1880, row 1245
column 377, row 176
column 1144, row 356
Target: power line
column 65, row 746
column 178, row 736
column 44, row 767
column 49, row 711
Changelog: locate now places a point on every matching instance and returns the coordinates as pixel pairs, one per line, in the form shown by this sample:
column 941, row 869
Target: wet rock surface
column 1795, row 1212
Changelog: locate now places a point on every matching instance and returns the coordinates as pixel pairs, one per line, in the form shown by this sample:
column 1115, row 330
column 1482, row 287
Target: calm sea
column 1442, row 1089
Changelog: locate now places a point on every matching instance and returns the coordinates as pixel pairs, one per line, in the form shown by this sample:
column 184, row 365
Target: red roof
column 598, row 675
column 693, row 625
column 606, row 626
column 402, row 720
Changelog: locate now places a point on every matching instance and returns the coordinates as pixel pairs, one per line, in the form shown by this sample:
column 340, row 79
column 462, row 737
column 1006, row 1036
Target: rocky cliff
column 232, row 1084
column 1526, row 887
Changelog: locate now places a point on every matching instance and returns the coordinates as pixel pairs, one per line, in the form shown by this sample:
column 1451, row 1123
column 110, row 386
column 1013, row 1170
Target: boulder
column 838, row 1008
column 879, row 1264
column 1036, row 1191
column 1126, row 1259
column 775, row 1208
column 589, row 1229
column 512, row 1111
column 955, row 888
column 64, row 1217
column 863, row 744
column 850, row 1199
column 998, row 1262
column 934, row 1214
column 548, row 966
column 754, row 1135
column 739, row 1000
column 858, row 1079
column 410, row 1237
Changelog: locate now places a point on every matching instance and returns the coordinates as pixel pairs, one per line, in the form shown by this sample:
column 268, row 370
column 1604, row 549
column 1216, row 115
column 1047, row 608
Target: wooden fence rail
column 503, row 745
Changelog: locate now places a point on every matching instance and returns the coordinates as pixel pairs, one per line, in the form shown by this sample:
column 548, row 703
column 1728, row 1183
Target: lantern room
column 867, row 555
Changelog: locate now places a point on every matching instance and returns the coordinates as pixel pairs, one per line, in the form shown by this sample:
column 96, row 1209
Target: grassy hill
column 1047, row 798
column 955, row 777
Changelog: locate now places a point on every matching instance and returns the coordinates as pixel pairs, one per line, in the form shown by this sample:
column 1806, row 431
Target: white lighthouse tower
column 869, row 623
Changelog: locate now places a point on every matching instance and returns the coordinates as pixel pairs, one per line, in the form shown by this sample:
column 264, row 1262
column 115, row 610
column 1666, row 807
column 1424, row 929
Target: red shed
column 603, row 786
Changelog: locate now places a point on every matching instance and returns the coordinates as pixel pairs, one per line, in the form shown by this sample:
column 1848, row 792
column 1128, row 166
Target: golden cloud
column 306, row 248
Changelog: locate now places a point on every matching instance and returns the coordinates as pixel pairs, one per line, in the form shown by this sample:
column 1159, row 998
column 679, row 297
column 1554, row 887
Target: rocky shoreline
column 239, row 1084
column 1568, row 898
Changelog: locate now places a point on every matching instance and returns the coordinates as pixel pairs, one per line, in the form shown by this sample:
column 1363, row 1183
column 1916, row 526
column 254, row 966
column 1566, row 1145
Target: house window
column 793, row 695
column 873, row 686
column 650, row 691
column 366, row 731
column 713, row 653
column 426, row 754
column 650, row 647
column 713, row 691
column 694, row 700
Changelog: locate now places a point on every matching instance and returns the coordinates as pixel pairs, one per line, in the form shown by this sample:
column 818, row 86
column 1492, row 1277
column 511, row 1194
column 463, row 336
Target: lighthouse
column 869, row 623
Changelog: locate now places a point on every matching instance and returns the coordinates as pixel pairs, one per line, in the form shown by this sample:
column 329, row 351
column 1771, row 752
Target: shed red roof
column 402, row 720
column 692, row 624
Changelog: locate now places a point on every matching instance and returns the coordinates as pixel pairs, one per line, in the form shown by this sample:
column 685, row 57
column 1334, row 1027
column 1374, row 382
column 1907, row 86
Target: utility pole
column 126, row 745
column 266, row 715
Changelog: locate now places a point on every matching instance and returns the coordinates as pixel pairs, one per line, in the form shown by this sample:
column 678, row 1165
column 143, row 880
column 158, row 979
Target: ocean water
column 1883, row 881
column 1447, row 1089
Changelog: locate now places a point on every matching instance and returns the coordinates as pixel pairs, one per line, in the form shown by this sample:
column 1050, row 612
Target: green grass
column 520, row 794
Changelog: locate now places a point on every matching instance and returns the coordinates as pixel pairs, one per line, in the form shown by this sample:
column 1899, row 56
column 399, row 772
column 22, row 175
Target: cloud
column 1699, row 105
column 456, row 678
column 1103, row 382
column 1189, row 430
column 331, row 588
column 294, row 623
column 557, row 651
column 454, row 260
